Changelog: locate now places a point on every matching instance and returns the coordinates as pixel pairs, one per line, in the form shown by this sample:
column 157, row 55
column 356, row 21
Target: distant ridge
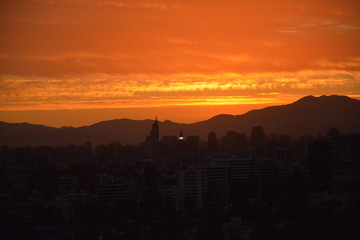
column 308, row 115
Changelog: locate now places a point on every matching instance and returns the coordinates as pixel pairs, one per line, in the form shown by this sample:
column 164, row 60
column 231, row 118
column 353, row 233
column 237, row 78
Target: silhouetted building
column 258, row 137
column 233, row 142
column 173, row 197
column 237, row 229
column 242, row 140
column 104, row 152
column 66, row 183
column 241, row 176
column 321, row 162
column 213, row 143
column 285, row 140
column 88, row 149
column 241, row 169
column 204, row 186
column 154, row 134
column 116, row 150
column 332, row 133
column 192, row 142
column 229, row 142
column 181, row 135
column 133, row 191
column 111, row 191
column 193, row 185
column 267, row 178
column 217, row 186
column 169, row 139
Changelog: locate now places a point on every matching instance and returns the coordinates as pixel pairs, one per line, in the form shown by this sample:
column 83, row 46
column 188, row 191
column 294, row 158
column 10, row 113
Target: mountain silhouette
column 308, row 115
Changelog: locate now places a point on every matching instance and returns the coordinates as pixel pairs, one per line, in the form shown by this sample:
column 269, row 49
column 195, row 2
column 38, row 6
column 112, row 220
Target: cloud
column 182, row 41
column 213, row 29
column 170, row 90
column 118, row 4
column 350, row 63
column 154, row 5
column 316, row 26
column 83, row 54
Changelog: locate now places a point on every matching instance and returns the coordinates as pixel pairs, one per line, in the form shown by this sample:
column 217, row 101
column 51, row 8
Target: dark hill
column 308, row 115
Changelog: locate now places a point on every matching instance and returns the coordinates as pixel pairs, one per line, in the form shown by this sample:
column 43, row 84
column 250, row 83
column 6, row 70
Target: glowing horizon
column 138, row 57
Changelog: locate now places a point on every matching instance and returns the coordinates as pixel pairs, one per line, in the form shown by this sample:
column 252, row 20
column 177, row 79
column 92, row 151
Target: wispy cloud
column 351, row 63
column 314, row 26
column 100, row 53
column 158, row 90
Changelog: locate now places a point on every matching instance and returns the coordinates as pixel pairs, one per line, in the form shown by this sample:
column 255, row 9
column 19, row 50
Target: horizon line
column 149, row 119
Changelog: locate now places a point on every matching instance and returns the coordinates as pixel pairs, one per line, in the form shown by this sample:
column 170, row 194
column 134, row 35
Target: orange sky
column 76, row 62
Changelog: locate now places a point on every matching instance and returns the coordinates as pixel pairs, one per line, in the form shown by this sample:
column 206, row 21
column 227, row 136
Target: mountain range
column 308, row 115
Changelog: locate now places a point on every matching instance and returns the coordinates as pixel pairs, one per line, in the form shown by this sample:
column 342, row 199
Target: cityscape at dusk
column 228, row 187
column 179, row 120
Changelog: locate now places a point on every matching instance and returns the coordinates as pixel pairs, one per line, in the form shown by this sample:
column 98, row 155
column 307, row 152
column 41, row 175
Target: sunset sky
column 76, row 62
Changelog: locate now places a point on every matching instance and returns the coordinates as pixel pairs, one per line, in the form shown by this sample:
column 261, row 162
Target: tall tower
column 181, row 135
column 154, row 135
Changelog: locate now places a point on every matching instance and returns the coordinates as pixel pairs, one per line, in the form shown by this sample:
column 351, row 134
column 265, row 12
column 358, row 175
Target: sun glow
column 58, row 55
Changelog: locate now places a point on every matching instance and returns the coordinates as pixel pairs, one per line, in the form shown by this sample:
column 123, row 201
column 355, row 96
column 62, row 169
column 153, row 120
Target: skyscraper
column 204, row 185
column 154, row 134
column 213, row 143
column 258, row 137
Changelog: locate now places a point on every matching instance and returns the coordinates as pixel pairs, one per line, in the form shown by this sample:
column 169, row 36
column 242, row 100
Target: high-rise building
column 241, row 169
column 213, row 143
column 181, row 135
column 204, row 185
column 233, row 142
column 111, row 190
column 332, row 133
column 173, row 197
column 268, row 179
column 258, row 137
column 238, row 229
column 154, row 134
column 193, row 185
column 65, row 184
column 217, row 185
column 192, row 142
column 88, row 149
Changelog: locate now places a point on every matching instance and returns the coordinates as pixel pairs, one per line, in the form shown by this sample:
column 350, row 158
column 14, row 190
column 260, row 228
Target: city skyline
column 87, row 117
column 308, row 115
column 179, row 119
column 228, row 187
